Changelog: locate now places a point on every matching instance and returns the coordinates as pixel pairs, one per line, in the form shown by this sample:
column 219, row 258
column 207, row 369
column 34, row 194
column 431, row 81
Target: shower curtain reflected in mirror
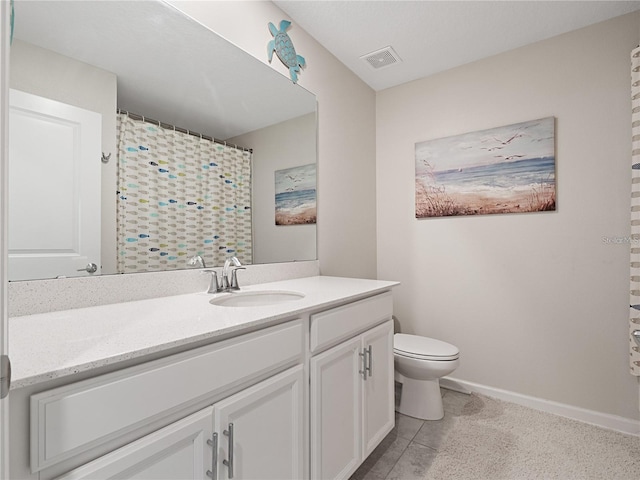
column 179, row 195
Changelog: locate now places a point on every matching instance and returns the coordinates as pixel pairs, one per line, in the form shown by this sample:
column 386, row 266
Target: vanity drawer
column 72, row 419
column 330, row 327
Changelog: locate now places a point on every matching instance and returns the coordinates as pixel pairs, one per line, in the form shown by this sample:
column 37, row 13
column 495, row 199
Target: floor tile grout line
column 388, row 475
column 404, row 449
column 411, row 441
column 398, row 459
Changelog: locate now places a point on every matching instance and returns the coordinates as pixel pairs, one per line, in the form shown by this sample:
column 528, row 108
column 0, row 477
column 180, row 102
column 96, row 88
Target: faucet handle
column 214, row 286
column 234, row 278
column 196, row 261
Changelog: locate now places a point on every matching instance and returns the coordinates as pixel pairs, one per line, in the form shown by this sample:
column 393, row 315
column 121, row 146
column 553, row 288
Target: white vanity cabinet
column 351, row 389
column 298, row 393
column 262, row 420
column 238, row 437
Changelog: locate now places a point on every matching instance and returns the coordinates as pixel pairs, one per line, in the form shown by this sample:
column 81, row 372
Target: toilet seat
column 423, row 348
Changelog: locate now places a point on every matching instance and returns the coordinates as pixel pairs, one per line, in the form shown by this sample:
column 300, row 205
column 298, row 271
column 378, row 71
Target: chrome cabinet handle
column 90, row 268
column 364, row 364
column 229, row 463
column 213, row 443
column 369, row 352
column 636, row 336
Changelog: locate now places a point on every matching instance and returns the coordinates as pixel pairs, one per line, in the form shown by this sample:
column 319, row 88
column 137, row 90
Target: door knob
column 90, row 268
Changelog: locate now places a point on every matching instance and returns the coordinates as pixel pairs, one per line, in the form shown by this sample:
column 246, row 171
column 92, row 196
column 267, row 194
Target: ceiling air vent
column 385, row 57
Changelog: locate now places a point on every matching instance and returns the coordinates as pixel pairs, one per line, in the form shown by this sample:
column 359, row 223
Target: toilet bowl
column 420, row 362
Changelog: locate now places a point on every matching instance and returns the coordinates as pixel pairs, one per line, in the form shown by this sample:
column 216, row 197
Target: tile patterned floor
column 407, row 452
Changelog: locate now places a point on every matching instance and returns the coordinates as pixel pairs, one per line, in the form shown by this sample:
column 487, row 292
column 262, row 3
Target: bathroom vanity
column 178, row 387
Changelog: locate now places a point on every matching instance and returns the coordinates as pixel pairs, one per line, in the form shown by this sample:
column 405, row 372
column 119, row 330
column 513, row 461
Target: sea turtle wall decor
column 283, row 46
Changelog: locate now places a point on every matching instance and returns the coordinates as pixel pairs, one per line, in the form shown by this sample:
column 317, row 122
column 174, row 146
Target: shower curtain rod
column 135, row 116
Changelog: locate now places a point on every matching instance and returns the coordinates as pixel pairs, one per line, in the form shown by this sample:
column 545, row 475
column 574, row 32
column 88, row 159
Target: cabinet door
column 335, row 411
column 261, row 431
column 179, row 450
column 377, row 399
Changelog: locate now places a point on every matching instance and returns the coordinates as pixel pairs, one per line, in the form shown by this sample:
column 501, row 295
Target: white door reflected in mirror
column 57, row 232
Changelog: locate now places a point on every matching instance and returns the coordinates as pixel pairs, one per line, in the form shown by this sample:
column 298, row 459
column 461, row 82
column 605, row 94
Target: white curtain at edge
column 178, row 196
column 634, row 317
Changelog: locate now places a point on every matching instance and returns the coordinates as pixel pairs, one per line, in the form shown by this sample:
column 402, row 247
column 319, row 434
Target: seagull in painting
column 510, row 157
column 507, row 142
column 501, row 143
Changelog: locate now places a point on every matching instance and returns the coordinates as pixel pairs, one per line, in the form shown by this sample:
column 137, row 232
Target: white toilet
column 419, row 364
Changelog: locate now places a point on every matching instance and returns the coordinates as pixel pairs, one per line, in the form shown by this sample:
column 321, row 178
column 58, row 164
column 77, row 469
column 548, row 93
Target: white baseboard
column 604, row 420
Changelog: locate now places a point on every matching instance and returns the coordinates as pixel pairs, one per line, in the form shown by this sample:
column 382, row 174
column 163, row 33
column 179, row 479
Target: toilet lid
column 427, row 348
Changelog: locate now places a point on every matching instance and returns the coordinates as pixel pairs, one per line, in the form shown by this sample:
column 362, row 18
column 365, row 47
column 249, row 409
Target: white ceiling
column 433, row 36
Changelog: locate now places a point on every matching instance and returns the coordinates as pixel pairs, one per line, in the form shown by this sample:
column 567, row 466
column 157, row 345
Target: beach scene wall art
column 509, row 169
column 296, row 195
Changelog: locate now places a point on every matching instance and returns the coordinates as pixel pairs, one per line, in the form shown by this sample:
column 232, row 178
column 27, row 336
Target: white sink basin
column 256, row 299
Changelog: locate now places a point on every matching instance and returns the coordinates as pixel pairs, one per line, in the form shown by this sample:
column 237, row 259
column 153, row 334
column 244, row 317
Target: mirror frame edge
column 5, row 29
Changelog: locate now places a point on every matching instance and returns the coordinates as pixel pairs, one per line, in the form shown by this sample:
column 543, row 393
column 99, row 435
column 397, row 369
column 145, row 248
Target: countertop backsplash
column 41, row 296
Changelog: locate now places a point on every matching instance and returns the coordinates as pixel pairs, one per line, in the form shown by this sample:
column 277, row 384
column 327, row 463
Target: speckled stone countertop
column 46, row 346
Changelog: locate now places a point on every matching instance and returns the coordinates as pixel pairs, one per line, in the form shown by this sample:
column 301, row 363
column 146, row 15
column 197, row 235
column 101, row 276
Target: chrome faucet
column 229, row 284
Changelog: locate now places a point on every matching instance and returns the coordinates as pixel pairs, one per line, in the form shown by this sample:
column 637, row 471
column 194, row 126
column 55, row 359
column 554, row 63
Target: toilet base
column 421, row 399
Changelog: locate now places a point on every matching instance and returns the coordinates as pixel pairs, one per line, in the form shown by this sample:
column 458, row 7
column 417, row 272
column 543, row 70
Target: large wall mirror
column 219, row 128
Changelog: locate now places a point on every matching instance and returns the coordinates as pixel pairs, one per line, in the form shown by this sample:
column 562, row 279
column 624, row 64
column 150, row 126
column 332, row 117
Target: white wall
column 346, row 138
column 284, row 145
column 43, row 72
column 537, row 303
